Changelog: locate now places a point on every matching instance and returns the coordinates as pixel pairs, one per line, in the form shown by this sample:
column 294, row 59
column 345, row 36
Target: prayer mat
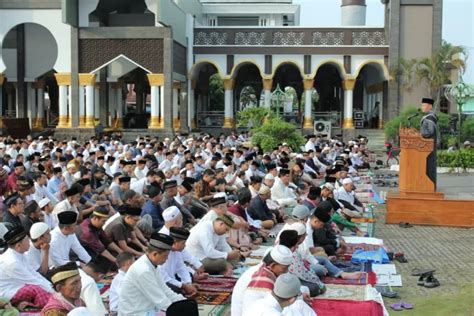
column 213, row 284
column 258, row 253
column 353, row 247
column 276, row 229
column 368, row 278
column 344, row 292
column 214, row 310
column 212, row 298
column 343, row 308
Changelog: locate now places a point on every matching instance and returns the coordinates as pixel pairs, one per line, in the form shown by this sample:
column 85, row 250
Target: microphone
column 412, row 116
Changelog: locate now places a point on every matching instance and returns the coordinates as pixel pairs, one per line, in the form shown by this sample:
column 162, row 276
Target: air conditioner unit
column 322, row 127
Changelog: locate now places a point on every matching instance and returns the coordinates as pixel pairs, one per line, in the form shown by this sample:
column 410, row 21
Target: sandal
column 400, row 257
column 431, row 282
column 386, row 291
column 423, row 278
column 406, row 305
column 418, row 271
column 396, row 307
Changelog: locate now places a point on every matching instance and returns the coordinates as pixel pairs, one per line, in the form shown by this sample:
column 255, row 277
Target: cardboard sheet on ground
column 260, row 252
column 384, row 268
column 389, row 279
column 363, row 240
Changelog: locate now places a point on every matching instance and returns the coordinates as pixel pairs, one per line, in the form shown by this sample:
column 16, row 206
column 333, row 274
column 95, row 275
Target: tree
column 248, row 97
column 216, row 93
column 253, row 117
column 434, row 71
column 274, row 132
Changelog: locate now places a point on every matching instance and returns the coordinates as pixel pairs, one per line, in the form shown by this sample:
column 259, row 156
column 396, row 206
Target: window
column 238, row 21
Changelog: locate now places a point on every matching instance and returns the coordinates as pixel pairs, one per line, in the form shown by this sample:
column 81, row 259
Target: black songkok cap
column 132, row 211
column 427, row 100
column 217, row 201
column 170, row 184
column 161, row 241
column 124, row 179
column 179, row 233
column 67, row 217
column 72, row 191
column 14, row 235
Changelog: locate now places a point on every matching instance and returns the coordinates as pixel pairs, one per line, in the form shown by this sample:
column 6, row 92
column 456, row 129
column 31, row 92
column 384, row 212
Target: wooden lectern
column 417, row 201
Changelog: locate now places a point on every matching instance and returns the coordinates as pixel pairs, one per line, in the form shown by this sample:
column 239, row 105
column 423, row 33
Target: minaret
column 353, row 12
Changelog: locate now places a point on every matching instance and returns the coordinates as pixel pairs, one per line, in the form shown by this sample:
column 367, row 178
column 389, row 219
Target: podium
column 417, row 201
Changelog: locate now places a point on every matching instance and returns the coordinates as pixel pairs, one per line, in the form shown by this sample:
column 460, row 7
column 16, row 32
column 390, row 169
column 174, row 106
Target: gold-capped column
column 156, row 86
column 228, row 103
column 88, row 81
column 39, row 86
column 308, row 85
column 348, row 86
column 64, row 81
column 267, row 91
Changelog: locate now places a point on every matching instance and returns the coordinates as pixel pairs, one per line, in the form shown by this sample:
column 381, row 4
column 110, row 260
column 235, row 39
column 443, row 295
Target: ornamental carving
column 288, row 38
column 250, row 38
column 328, row 38
column 410, row 138
column 94, row 53
column 369, row 38
column 210, row 38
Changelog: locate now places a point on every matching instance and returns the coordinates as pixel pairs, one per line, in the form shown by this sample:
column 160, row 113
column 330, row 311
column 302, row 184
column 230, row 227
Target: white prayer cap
column 79, row 311
column 269, row 176
column 299, row 156
column 220, row 195
column 189, row 140
column 356, row 146
column 282, row 255
column 171, row 213
column 300, row 211
column 38, row 229
column 43, row 202
column 174, row 166
column 287, row 286
column 264, row 190
column 328, row 186
column 347, row 181
column 299, row 227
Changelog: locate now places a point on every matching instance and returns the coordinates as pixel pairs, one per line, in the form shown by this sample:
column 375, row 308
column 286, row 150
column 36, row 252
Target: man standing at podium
column 429, row 129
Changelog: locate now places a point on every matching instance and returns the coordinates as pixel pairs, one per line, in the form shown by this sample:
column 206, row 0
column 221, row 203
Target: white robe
column 114, row 291
column 203, row 242
column 60, row 247
column 283, row 194
column 90, row 295
column 15, row 273
column 267, row 306
column 144, row 291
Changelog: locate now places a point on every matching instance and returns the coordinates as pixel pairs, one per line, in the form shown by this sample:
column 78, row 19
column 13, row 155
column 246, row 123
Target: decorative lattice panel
column 288, row 38
column 328, row 38
column 210, row 38
column 250, row 38
column 366, row 38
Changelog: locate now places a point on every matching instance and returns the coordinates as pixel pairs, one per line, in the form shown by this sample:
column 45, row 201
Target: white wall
column 41, row 51
column 86, row 7
column 258, row 60
column 358, row 60
column 50, row 19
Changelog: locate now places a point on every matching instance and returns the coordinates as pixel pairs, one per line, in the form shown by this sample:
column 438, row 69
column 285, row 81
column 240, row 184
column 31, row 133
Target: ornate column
column 39, row 85
column 88, row 81
column 308, row 85
column 156, row 84
column 267, row 92
column 228, row 103
column 192, row 105
column 82, row 107
column 348, row 86
column 63, row 80
column 176, row 121
column 97, row 101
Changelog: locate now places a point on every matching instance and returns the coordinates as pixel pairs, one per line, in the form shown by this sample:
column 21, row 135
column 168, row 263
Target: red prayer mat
column 344, row 308
column 368, row 278
column 214, row 284
column 212, row 298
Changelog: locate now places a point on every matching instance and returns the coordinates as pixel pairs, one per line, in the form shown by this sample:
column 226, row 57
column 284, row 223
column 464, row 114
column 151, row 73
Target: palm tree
column 435, row 71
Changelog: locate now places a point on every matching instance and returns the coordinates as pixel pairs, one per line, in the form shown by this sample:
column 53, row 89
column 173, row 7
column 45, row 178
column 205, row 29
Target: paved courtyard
column 449, row 250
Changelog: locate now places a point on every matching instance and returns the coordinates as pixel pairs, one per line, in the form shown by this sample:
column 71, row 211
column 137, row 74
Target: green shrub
column 253, row 117
column 392, row 127
column 467, row 129
column 274, row 132
column 463, row 159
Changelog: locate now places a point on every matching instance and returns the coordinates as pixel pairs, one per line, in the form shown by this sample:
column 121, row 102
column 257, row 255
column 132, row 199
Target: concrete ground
column 449, row 250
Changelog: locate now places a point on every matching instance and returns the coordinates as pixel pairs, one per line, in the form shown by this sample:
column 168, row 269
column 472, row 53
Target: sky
column 458, row 21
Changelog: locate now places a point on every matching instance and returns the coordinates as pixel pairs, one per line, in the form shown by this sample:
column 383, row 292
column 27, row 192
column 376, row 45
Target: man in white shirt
column 38, row 254
column 208, row 243
column 18, row 281
column 143, row 290
column 63, row 240
column 310, row 143
column 69, row 204
column 345, row 194
column 284, row 294
column 41, row 191
column 281, row 192
column 167, row 163
column 124, row 262
column 175, row 265
column 90, row 274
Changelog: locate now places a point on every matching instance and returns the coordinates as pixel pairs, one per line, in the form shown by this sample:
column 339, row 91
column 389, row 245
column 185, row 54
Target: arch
column 119, row 58
column 333, row 62
column 283, row 63
column 235, row 70
column 377, row 64
column 52, row 21
column 194, row 72
column 40, row 50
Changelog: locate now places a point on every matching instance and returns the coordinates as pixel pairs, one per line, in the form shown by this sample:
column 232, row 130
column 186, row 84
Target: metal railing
column 285, row 36
column 210, row 119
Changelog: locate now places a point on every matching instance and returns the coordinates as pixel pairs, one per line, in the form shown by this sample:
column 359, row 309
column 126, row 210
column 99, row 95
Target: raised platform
column 429, row 209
